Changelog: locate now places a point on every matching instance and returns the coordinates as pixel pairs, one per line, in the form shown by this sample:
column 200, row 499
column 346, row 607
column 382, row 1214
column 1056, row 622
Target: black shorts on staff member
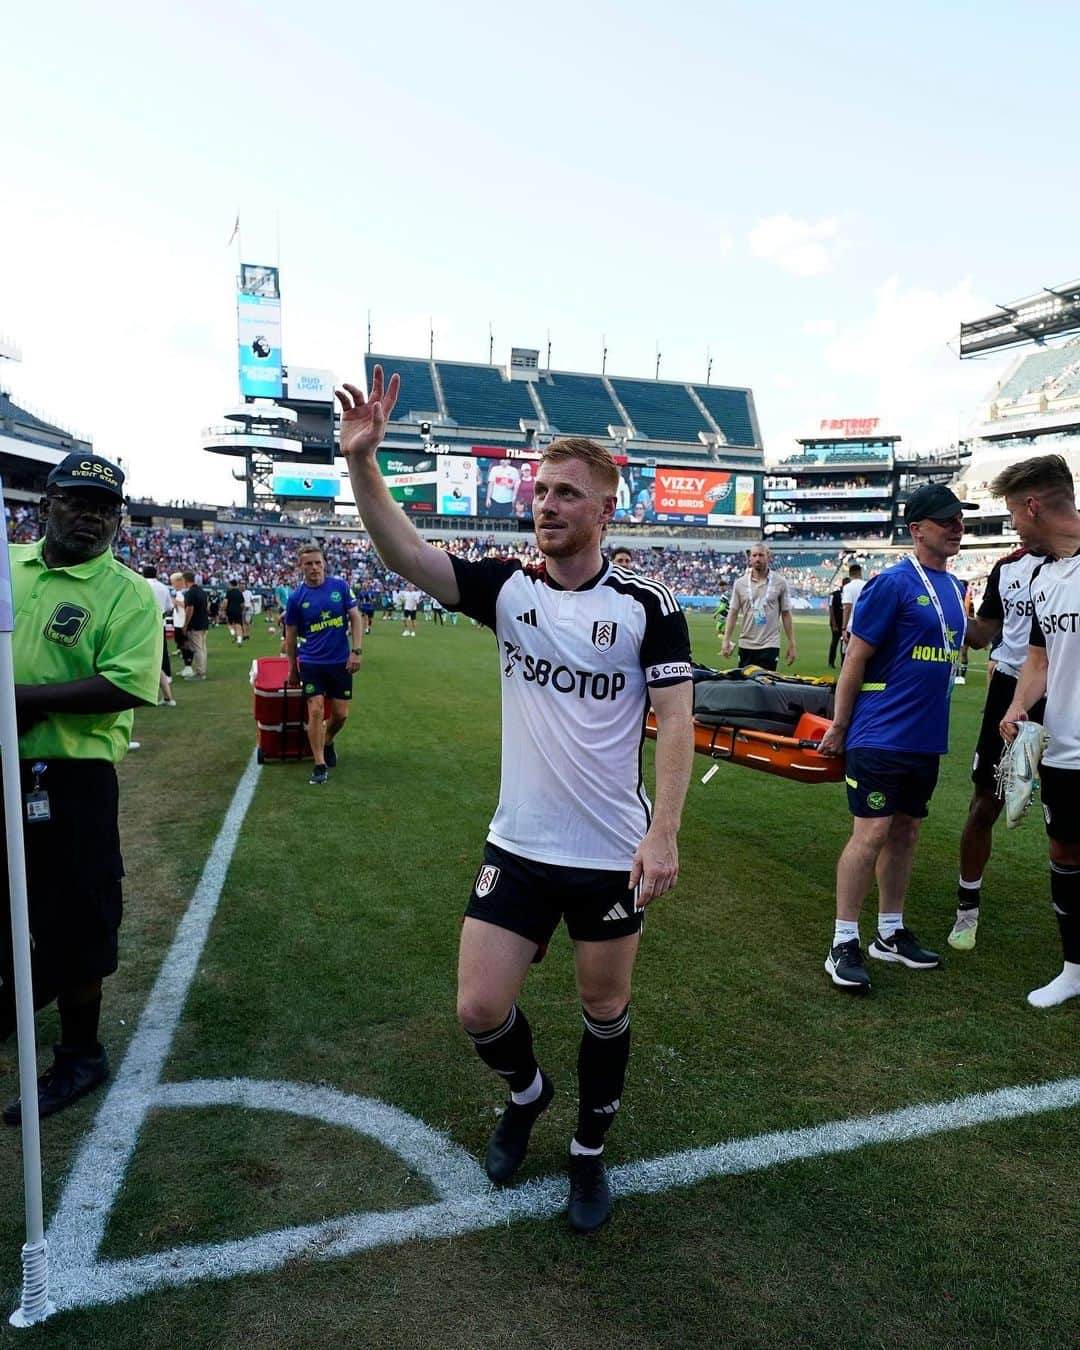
column 329, row 681
column 73, row 876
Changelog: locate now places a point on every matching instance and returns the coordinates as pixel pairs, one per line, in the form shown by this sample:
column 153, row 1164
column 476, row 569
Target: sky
column 814, row 195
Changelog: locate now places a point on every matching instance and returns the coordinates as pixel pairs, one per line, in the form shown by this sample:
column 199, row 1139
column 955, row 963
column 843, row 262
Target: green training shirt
column 71, row 623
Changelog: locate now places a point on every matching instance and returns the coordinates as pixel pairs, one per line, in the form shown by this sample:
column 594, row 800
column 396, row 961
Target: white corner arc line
column 78, row 1226
column 112, row 1281
column 81, row 1279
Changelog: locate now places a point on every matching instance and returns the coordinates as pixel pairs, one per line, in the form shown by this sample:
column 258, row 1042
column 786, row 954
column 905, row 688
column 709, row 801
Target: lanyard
column 936, row 602
column 759, row 606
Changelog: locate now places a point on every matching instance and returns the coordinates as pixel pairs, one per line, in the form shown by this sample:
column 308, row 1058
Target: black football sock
column 508, row 1050
column 1065, row 893
column 602, row 1060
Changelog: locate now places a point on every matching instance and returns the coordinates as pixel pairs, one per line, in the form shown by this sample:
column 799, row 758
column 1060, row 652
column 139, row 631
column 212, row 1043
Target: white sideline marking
column 467, row 1204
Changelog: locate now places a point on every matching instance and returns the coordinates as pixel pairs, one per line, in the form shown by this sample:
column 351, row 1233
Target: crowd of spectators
column 262, row 560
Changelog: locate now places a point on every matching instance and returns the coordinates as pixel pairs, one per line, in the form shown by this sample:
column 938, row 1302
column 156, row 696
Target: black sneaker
column 844, row 964
column 320, row 775
column 330, row 755
column 74, row 1073
column 590, row 1198
column 904, row 947
column 510, row 1140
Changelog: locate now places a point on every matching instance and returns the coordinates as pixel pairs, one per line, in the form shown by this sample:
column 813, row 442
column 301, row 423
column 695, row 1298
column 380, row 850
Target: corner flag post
column 35, row 1305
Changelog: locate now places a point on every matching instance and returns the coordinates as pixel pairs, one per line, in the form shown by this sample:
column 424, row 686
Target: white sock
column 580, row 1151
column 1066, row 985
column 531, row 1092
column 845, row 930
column 887, row 924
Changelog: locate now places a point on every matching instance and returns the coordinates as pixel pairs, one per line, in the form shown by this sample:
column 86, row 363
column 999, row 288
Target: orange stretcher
column 793, row 757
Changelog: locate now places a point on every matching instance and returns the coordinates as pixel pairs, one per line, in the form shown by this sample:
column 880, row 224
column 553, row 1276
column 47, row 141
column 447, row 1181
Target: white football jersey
column 1055, row 596
column 1007, row 599
column 576, row 669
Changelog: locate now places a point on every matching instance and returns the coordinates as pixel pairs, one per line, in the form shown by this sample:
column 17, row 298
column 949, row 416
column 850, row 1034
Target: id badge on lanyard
column 38, row 811
column 935, row 600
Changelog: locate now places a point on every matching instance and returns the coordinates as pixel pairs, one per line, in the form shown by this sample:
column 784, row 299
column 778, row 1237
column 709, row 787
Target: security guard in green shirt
column 87, row 648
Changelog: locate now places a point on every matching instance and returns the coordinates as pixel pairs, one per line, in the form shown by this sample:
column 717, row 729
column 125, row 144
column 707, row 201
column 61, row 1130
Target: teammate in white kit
column 583, row 649
column 1003, row 618
column 1040, row 496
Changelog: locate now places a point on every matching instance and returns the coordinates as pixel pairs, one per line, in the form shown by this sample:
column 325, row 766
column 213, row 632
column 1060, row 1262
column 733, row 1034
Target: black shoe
column 904, row 947
column 590, row 1198
column 73, row 1074
column 845, row 964
column 320, row 775
column 330, row 755
column 510, row 1141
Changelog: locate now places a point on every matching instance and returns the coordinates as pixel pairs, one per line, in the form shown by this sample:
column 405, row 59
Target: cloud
column 819, row 327
column 898, row 362
column 802, row 247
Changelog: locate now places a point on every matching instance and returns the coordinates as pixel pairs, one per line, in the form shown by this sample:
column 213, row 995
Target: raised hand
column 363, row 420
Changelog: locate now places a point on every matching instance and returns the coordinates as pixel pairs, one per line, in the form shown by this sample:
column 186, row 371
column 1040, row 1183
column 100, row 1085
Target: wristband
column 358, row 651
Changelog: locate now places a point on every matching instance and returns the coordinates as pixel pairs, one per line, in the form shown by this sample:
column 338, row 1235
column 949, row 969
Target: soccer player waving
column 582, row 649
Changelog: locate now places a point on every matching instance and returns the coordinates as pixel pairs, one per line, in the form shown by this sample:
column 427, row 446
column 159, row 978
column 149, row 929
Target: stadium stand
column 661, row 411
column 730, row 410
column 1054, row 373
column 478, row 396
column 417, row 387
column 577, row 404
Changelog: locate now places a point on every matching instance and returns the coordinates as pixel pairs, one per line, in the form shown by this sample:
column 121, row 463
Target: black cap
column 934, row 501
column 87, row 471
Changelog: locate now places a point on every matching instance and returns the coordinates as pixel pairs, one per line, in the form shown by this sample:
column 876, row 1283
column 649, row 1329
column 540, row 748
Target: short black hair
column 148, row 570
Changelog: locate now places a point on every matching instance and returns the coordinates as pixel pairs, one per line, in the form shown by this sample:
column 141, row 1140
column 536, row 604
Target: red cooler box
column 279, row 711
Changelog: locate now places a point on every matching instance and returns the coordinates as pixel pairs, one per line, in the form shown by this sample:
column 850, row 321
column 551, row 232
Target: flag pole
column 35, row 1305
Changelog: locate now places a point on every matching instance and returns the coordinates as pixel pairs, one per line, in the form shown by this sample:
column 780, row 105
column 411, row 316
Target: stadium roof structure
column 468, row 404
column 1053, row 312
column 1039, row 395
column 30, row 446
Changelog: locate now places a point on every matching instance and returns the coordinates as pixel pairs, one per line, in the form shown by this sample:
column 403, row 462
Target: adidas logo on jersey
column 614, row 913
column 529, row 617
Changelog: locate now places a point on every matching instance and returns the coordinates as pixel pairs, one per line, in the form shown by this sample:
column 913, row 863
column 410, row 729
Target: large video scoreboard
column 493, row 484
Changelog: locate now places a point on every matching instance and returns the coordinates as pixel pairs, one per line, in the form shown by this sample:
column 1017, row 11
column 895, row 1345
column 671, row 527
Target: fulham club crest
column 603, row 634
column 486, row 880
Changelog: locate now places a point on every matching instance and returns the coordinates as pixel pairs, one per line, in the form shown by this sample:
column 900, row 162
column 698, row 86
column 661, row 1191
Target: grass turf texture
column 332, row 959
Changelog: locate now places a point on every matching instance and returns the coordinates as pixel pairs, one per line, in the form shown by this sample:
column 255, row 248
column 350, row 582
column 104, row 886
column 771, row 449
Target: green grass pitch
column 332, row 959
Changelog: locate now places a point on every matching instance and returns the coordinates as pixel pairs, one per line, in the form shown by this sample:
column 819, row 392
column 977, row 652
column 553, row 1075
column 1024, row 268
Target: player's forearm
column 981, row 632
column 290, row 646
column 789, row 627
column 847, row 689
column 1031, row 685
column 674, row 762
column 356, row 629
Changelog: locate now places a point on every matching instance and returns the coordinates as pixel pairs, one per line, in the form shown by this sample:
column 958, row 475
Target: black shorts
column 330, row 681
column 234, row 616
column 989, row 746
column 884, row 782
column 1060, row 793
column 73, row 876
column 529, row 898
column 166, row 664
column 768, row 658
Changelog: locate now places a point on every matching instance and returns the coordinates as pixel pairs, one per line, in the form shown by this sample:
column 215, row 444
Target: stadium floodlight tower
column 1053, row 312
